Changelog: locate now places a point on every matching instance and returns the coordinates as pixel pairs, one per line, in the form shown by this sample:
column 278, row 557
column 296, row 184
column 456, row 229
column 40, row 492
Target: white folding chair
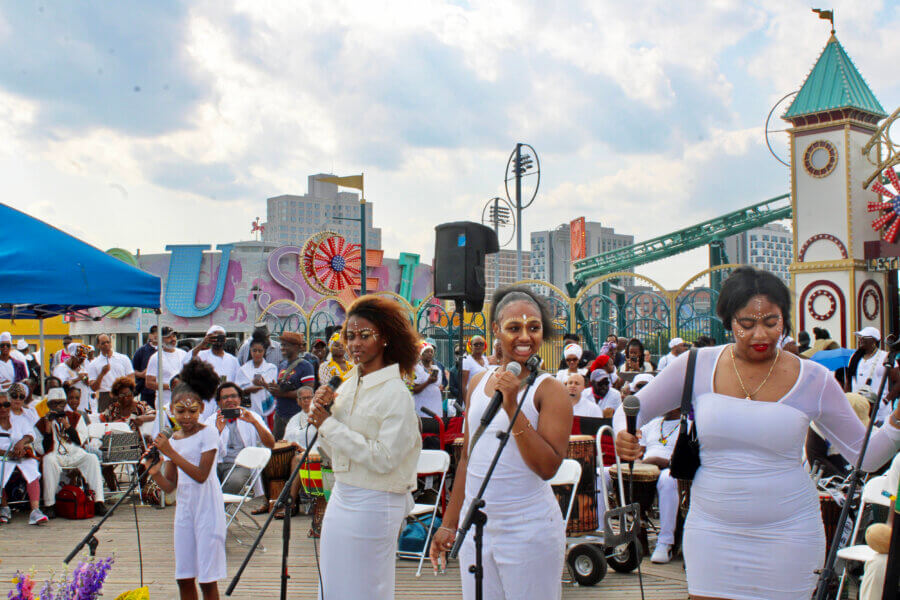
column 431, row 462
column 255, row 459
column 568, row 473
column 871, row 494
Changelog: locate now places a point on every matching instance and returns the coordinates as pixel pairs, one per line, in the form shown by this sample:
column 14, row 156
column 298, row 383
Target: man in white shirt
column 866, row 370
column 676, row 347
column 65, row 434
column 172, row 360
column 582, row 406
column 212, row 350
column 73, row 372
column 600, row 393
column 658, row 439
column 105, row 369
column 238, row 428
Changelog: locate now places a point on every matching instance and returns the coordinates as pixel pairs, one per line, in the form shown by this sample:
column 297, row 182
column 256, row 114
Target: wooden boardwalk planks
column 43, row 548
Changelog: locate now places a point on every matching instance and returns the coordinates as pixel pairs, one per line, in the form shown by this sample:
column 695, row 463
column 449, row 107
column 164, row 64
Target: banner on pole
column 577, row 241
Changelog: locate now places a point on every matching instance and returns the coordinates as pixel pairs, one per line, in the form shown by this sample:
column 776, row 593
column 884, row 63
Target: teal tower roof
column 834, row 84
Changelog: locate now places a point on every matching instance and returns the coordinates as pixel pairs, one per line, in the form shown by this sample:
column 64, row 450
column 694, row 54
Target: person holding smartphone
column 238, row 428
column 429, row 383
column 212, row 350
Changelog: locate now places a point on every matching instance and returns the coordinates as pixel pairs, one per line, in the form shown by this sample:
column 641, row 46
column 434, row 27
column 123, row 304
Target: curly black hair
column 198, row 378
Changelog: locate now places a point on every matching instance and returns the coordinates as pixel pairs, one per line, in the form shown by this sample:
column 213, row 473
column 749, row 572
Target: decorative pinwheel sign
column 889, row 221
column 336, row 264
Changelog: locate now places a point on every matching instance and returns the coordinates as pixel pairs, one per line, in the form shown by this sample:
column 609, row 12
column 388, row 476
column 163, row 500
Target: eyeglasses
column 364, row 335
column 125, row 395
column 5, row 404
column 5, row 345
column 56, row 403
column 17, row 396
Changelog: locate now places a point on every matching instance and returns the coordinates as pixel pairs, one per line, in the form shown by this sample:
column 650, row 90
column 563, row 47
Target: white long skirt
column 522, row 555
column 359, row 542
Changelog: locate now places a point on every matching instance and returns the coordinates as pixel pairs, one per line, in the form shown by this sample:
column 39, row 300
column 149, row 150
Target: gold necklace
column 741, row 381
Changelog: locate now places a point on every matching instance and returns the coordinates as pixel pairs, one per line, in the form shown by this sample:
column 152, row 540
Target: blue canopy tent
column 45, row 272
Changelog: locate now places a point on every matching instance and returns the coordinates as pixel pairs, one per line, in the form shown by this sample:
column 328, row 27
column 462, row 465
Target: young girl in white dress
column 188, row 467
column 754, row 530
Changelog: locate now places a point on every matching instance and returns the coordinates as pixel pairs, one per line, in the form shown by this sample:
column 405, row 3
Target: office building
column 500, row 270
column 770, row 247
column 550, row 251
column 292, row 219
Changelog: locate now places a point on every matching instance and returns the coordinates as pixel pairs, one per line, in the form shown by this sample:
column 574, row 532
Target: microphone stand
column 284, row 501
column 827, row 575
column 477, row 516
column 90, row 539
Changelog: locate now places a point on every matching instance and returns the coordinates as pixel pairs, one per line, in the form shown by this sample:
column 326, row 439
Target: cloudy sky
column 141, row 124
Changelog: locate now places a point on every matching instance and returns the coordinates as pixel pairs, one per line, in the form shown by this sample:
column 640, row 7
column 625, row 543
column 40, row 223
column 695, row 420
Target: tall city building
column 500, row 270
column 770, row 247
column 551, row 257
column 292, row 219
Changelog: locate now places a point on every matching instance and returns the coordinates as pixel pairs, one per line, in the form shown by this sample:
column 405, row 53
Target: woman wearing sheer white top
column 754, row 531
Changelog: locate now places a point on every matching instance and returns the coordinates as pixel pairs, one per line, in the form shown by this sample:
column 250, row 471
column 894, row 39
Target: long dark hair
column 394, row 325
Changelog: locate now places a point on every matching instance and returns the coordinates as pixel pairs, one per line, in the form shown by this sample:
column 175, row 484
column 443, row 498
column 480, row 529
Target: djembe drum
column 584, row 516
column 278, row 470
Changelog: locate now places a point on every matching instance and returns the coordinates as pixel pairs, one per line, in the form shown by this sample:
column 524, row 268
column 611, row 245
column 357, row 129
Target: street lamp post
column 497, row 213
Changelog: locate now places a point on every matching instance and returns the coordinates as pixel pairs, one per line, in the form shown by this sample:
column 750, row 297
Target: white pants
column 76, row 458
column 872, row 585
column 667, row 495
column 522, row 557
column 359, row 542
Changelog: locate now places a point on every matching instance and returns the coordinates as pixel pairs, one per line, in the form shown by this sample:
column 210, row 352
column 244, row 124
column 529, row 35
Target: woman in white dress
column 524, row 539
column 260, row 372
column 754, row 530
column 189, row 471
column 372, row 436
column 16, row 436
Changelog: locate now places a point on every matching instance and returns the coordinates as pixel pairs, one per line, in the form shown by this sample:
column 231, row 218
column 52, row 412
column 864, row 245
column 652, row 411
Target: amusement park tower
column 832, row 117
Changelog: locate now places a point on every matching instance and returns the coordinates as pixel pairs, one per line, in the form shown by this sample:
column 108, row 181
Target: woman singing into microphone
column 524, row 539
column 372, row 436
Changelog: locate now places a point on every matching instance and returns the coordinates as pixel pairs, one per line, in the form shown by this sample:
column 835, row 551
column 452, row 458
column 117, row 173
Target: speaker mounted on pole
column 459, row 251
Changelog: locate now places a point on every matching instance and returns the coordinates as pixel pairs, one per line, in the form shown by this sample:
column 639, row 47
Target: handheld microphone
column 333, row 384
column 494, row 405
column 632, row 406
column 152, row 452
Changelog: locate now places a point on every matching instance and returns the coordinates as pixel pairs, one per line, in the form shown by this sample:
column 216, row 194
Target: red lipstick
column 760, row 347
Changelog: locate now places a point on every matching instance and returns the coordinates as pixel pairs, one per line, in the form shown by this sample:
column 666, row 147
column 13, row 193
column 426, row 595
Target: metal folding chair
column 256, row 460
column 124, row 448
column 431, row 462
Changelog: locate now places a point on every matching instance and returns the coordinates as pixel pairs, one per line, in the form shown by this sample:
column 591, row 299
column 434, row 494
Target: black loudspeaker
column 459, row 251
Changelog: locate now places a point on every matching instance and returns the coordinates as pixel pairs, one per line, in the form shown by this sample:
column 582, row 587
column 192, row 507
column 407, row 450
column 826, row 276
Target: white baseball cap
column 5, row 337
column 869, row 332
column 675, row 342
column 642, row 378
column 215, row 329
column 22, row 344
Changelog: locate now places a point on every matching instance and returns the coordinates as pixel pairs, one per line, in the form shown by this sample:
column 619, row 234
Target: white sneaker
column 37, row 517
column 5, row 514
column 661, row 554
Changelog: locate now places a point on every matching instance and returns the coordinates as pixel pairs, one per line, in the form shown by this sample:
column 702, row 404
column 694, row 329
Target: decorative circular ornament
column 307, row 258
column 810, row 305
column 887, row 222
column 337, row 264
column 870, row 304
column 820, row 158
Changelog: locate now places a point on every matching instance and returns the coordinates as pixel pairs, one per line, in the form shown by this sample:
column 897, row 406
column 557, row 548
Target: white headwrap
column 573, row 349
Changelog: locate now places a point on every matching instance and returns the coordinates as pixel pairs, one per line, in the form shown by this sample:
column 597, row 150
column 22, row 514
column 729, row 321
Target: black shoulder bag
column 686, row 455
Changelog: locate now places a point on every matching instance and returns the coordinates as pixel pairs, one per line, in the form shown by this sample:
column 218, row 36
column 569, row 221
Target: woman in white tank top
column 524, row 538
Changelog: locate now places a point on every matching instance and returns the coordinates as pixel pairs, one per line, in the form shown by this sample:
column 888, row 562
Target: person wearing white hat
column 429, row 383
column 677, row 346
column 866, row 369
column 16, row 437
column 572, row 354
column 602, row 393
column 16, row 352
column 73, row 372
column 11, row 370
column 65, row 434
column 212, row 350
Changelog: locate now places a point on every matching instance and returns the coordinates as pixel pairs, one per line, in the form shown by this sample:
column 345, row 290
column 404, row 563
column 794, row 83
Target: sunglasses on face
column 57, row 403
column 363, row 334
column 17, row 396
column 5, row 345
column 5, row 404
